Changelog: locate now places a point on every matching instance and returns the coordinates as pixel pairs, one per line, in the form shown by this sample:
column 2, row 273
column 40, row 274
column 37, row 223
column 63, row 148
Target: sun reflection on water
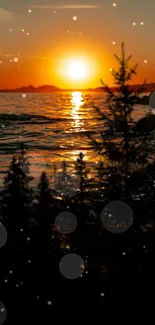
column 77, row 124
column 77, row 102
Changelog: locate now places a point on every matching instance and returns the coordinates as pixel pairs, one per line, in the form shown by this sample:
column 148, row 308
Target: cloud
column 67, row 7
column 6, row 16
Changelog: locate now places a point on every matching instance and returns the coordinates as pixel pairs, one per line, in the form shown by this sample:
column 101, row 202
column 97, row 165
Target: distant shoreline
column 49, row 89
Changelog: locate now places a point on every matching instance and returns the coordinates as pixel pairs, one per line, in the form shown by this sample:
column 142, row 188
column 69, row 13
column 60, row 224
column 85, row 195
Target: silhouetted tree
column 100, row 171
column 123, row 150
column 44, row 212
column 17, row 193
column 81, row 171
column 44, row 191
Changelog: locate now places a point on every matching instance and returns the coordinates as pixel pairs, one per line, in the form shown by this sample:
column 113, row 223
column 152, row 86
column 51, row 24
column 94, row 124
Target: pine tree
column 44, row 212
column 100, row 170
column 44, row 191
column 123, row 150
column 17, row 193
column 81, row 171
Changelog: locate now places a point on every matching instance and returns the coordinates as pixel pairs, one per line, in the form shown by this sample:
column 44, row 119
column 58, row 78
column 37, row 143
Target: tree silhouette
column 81, row 171
column 17, row 193
column 123, row 150
column 44, row 213
column 44, row 191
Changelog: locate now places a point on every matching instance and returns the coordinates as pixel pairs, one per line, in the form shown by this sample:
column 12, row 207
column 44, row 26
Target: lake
column 52, row 126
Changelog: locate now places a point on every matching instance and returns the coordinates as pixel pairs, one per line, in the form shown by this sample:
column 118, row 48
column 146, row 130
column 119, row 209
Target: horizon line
column 50, row 85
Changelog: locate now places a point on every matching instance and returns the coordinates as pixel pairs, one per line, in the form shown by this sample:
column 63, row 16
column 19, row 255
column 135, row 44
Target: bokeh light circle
column 72, row 266
column 3, row 235
column 65, row 222
column 117, row 217
column 3, row 313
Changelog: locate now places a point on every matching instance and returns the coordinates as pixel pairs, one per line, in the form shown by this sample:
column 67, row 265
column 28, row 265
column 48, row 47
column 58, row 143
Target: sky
column 51, row 43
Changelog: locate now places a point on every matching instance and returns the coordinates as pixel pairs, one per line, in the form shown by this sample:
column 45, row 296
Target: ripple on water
column 56, row 126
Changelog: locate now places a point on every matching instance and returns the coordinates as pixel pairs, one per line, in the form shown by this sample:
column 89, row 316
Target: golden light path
column 77, row 102
column 78, row 124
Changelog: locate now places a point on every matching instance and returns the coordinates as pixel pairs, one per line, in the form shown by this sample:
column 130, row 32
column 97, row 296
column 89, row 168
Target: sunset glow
column 77, row 70
column 73, row 45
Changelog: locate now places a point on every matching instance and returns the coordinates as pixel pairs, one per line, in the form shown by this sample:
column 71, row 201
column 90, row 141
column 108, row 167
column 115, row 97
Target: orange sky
column 49, row 68
column 44, row 53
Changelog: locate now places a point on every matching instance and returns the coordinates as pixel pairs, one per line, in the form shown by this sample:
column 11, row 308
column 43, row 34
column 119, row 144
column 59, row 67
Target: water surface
column 54, row 127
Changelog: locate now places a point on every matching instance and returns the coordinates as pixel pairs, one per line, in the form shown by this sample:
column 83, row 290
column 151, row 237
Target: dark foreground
column 119, row 268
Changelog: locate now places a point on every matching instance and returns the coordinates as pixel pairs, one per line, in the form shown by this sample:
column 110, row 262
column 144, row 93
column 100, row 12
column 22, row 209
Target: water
column 54, row 127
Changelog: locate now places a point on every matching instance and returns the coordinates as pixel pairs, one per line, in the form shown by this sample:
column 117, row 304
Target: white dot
column 75, row 18
column 10, row 272
column 10, row 30
column 37, row 297
column 10, row 60
column 23, row 95
column 144, row 246
column 113, row 43
column 110, row 70
column 17, row 285
column 114, row 4
column 102, row 294
column 27, row 34
column 29, row 11
column 80, row 34
column 145, row 61
column 7, row 55
column 29, row 261
column 21, row 228
column 123, row 253
column 22, row 30
column 134, row 24
column 86, row 272
column 28, row 238
column 49, row 303
column 142, row 23
column 5, row 280
column 0, row 61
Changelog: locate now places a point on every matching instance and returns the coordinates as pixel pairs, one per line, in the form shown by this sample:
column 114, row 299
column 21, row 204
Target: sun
column 77, row 70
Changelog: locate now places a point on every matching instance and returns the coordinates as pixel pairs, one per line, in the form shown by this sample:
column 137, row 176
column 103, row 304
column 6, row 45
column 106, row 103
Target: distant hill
column 32, row 89
column 49, row 88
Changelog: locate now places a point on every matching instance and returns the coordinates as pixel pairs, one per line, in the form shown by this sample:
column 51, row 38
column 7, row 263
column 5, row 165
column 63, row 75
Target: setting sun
column 77, row 70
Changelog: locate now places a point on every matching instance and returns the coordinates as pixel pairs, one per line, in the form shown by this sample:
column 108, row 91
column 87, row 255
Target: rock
column 143, row 101
column 145, row 125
